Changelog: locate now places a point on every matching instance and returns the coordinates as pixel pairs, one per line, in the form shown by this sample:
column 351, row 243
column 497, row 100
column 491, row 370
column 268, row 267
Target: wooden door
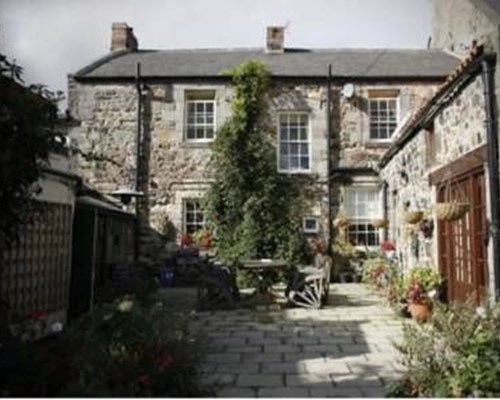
column 462, row 243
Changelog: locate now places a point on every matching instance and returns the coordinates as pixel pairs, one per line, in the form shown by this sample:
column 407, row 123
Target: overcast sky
column 51, row 38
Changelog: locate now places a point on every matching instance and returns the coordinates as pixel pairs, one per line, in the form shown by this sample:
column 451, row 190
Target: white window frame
column 194, row 100
column 375, row 98
column 307, row 141
column 310, row 230
column 184, row 214
column 365, row 220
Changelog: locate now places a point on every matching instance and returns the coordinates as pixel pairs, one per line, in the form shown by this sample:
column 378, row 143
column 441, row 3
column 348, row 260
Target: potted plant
column 421, row 288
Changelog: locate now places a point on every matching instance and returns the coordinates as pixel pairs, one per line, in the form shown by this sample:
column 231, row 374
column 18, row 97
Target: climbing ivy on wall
column 254, row 211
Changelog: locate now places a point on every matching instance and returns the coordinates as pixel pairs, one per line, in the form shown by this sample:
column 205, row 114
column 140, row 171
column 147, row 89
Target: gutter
column 488, row 66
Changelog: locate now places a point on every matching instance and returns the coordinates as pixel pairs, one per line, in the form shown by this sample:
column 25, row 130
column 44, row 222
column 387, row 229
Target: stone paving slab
column 342, row 350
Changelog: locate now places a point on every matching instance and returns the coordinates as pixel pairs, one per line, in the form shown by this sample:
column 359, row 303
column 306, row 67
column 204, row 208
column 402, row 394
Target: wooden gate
column 462, row 243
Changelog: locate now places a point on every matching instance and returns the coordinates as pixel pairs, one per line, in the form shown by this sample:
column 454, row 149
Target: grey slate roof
column 363, row 63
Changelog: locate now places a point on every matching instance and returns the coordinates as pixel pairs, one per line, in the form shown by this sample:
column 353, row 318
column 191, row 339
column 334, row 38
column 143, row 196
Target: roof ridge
column 298, row 49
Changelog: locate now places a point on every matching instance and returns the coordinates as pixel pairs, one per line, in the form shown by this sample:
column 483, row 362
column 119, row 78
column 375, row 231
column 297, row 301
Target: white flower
column 57, row 327
column 125, row 305
column 481, row 311
column 432, row 293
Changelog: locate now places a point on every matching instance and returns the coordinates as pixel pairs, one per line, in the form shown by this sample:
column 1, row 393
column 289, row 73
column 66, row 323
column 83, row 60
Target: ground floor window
column 363, row 205
column 194, row 219
column 363, row 234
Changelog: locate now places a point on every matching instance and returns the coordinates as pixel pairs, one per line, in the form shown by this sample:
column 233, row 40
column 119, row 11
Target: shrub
column 456, row 355
column 126, row 348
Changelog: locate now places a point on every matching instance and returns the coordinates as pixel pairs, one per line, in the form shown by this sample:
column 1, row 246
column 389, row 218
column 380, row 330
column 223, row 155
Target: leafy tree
column 28, row 117
column 254, row 211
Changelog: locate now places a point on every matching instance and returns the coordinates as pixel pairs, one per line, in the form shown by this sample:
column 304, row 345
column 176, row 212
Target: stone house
column 448, row 152
column 149, row 117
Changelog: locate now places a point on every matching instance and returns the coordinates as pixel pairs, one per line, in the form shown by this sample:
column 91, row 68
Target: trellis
column 36, row 267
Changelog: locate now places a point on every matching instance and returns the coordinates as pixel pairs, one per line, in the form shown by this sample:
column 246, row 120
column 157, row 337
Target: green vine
column 254, row 211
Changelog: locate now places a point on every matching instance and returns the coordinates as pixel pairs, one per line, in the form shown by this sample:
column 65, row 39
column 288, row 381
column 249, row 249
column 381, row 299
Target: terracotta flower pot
column 420, row 312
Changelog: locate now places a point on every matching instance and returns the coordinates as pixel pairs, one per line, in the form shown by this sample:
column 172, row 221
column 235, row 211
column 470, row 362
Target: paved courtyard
column 342, row 350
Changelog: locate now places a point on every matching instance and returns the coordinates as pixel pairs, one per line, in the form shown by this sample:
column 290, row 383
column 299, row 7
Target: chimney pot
column 275, row 39
column 122, row 37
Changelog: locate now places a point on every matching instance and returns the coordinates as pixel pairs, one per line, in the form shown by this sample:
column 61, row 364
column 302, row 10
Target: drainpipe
column 385, row 187
column 137, row 157
column 329, row 156
column 488, row 65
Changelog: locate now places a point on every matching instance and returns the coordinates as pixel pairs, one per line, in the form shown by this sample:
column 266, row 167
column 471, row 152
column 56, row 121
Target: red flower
column 186, row 240
column 387, row 245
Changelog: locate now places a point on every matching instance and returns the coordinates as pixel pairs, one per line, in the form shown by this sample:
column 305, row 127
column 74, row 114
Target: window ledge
column 196, row 145
column 378, row 145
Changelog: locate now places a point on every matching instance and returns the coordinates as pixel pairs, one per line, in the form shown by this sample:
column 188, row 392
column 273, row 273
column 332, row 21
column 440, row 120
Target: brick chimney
column 275, row 39
column 122, row 37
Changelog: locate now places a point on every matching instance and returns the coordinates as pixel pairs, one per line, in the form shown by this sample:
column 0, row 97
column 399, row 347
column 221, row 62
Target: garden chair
column 217, row 287
column 310, row 285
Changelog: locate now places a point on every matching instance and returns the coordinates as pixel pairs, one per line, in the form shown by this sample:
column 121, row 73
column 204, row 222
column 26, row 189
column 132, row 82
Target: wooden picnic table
column 264, row 269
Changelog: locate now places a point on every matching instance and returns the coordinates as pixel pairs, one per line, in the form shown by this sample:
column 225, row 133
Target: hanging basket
column 451, row 211
column 380, row 223
column 340, row 222
column 413, row 217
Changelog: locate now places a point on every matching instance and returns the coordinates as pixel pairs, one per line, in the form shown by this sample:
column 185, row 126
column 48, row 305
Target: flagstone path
column 342, row 350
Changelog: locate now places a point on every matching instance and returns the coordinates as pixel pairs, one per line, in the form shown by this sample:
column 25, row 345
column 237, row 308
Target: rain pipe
column 329, row 156
column 137, row 156
column 488, row 65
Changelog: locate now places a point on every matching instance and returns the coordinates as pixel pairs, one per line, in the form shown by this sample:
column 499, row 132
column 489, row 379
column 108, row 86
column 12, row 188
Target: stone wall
column 173, row 170
column 456, row 23
column 458, row 129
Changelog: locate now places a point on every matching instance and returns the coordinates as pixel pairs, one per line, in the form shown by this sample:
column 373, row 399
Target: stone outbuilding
column 443, row 163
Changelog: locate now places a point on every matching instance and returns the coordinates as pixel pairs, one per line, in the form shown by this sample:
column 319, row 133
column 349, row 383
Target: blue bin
column 167, row 276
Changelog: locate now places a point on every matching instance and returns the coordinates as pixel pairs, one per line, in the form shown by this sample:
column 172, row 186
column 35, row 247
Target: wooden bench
column 311, row 285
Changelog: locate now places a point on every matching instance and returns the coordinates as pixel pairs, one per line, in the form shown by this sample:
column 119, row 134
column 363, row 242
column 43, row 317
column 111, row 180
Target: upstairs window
column 294, row 144
column 383, row 114
column 194, row 219
column 200, row 115
column 363, row 206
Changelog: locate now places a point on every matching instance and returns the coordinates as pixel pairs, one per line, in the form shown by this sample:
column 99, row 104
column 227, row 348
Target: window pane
column 284, row 163
column 304, row 149
column 190, row 133
column 283, row 133
column 294, row 149
column 209, row 133
column 304, row 162
column 294, row 119
column 294, row 135
column 294, row 162
column 210, row 107
column 284, row 148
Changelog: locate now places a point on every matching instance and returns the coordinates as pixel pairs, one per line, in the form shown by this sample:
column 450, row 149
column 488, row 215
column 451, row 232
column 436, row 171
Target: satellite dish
column 348, row 90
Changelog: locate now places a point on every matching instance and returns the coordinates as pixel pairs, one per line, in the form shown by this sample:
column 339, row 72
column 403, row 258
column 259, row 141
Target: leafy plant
column 130, row 347
column 456, row 355
column 423, row 280
column 254, row 211
column 30, row 132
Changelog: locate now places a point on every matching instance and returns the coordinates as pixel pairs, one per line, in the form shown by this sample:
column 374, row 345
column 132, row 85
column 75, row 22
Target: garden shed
column 103, row 250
